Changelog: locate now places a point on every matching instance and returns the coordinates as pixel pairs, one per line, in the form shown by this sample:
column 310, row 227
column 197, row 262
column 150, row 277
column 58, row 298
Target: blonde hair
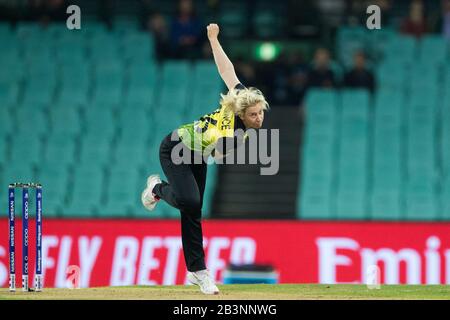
column 239, row 100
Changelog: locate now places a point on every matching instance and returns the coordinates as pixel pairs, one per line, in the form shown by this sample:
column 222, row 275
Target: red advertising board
column 127, row 252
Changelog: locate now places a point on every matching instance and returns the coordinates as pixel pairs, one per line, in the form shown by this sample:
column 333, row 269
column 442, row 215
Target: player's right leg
column 204, row 281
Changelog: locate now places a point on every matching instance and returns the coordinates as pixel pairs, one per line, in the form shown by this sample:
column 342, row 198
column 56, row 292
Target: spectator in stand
column 321, row 75
column 359, row 76
column 415, row 24
column 186, row 32
column 46, row 11
column 446, row 19
column 290, row 79
column 441, row 21
column 156, row 24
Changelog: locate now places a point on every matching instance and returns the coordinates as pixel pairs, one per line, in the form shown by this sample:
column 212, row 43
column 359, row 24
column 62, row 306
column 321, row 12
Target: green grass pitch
column 241, row 292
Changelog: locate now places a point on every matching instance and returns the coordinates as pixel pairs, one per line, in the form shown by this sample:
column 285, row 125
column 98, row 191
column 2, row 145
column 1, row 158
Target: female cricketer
column 241, row 108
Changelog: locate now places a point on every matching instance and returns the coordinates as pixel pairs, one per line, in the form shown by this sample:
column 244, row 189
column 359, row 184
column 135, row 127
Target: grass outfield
column 241, row 292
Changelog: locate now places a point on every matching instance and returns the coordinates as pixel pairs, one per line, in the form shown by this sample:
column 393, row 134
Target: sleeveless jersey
column 204, row 133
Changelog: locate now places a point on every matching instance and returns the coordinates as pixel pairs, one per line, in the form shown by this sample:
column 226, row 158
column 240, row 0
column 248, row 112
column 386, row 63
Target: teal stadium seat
column 386, row 206
column 39, row 90
column 86, row 193
column 401, row 49
column 122, row 190
column 391, row 75
column 94, row 28
column 351, row 207
column 421, row 207
column 68, row 54
column 315, row 207
column 108, row 95
column 386, row 178
column 37, row 51
column 316, row 182
column 433, row 50
column 135, row 124
column 321, row 103
column 207, row 89
column 389, row 106
column 18, row 173
column 95, row 150
column 5, row 29
column 8, row 94
column 355, row 103
column 204, row 100
column 13, row 69
column 65, row 120
column 55, row 182
column 100, row 122
column 205, row 72
column 68, row 40
column 108, row 82
column 76, row 74
column 445, row 146
column 56, row 29
column 75, row 82
column 349, row 40
column 445, row 196
column 173, row 103
column 138, row 46
column 320, row 129
column 26, row 149
column 142, row 74
column 62, row 148
column 140, row 95
column 3, row 150
column 445, row 78
column 377, row 41
column 425, row 79
column 103, row 47
column 7, row 122
column 136, row 155
column 72, row 95
column 176, row 74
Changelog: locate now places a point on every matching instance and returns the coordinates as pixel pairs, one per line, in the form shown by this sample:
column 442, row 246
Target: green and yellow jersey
column 204, row 134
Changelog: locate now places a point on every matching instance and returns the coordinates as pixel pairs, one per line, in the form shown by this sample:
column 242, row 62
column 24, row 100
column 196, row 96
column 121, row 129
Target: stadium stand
column 81, row 112
column 86, row 126
column 382, row 157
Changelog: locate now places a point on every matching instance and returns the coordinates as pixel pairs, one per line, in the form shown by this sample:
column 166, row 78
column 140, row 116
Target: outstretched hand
column 213, row 31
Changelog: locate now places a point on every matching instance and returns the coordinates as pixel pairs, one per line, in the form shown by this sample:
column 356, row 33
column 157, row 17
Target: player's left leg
column 192, row 234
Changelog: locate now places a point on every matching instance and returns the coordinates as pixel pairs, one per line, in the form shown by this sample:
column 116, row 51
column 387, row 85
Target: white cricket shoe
column 203, row 280
column 148, row 199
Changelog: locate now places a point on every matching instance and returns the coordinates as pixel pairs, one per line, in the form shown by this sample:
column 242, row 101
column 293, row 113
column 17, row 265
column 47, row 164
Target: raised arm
column 224, row 65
